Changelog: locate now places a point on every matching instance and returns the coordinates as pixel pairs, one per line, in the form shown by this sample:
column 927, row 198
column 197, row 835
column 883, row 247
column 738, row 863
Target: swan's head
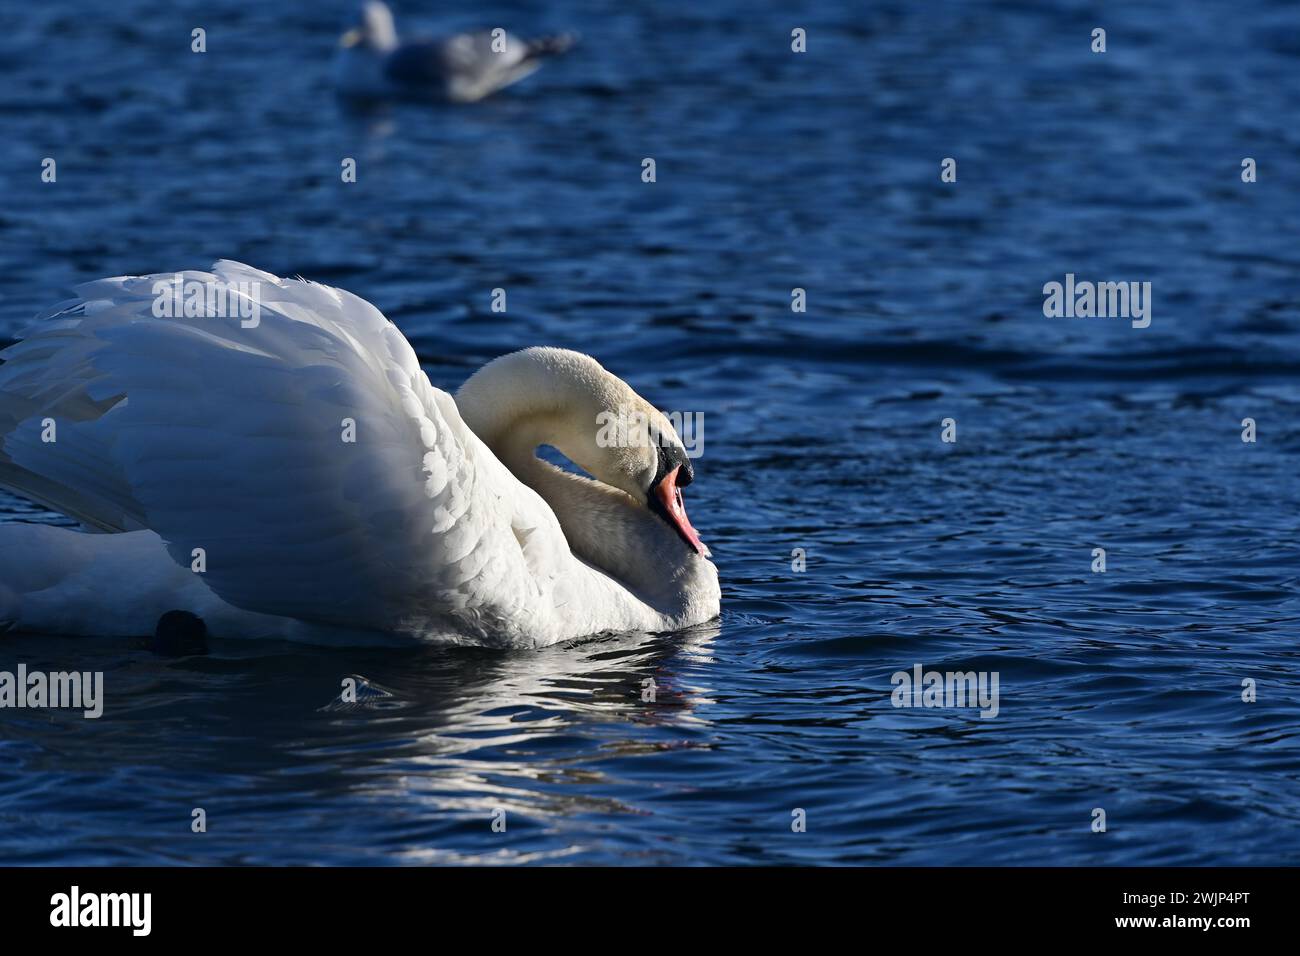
column 644, row 457
column 556, row 397
column 373, row 28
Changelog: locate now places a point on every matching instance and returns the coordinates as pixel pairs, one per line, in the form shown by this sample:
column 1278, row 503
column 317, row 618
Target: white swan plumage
column 207, row 461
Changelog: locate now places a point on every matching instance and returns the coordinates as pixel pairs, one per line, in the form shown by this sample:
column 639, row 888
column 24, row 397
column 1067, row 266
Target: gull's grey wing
column 463, row 67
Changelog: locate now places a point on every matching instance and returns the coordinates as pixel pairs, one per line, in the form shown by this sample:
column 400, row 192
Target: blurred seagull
column 373, row 63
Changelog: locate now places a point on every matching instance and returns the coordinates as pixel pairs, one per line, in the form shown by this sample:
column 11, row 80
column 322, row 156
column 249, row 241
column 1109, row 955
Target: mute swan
column 371, row 62
column 296, row 475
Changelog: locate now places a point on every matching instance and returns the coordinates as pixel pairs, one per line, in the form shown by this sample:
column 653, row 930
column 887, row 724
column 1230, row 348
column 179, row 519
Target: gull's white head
column 373, row 29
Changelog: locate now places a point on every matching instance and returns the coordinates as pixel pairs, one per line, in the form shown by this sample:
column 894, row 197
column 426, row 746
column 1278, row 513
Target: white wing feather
column 230, row 439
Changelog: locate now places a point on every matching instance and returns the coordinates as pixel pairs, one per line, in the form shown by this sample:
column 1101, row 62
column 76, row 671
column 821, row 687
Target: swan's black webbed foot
column 179, row 634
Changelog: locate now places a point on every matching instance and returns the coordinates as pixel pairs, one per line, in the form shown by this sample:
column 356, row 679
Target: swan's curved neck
column 522, row 401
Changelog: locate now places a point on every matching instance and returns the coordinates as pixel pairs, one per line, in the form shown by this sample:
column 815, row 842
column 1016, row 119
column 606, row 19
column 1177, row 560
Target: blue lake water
column 1119, row 690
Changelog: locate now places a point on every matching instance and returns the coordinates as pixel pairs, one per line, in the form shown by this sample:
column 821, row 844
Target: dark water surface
column 1119, row 690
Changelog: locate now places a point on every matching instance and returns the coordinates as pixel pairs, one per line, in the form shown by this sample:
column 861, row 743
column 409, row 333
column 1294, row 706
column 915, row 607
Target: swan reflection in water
column 512, row 732
column 545, row 735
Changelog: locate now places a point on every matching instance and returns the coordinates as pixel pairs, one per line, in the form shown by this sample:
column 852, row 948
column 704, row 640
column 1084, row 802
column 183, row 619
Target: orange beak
column 666, row 499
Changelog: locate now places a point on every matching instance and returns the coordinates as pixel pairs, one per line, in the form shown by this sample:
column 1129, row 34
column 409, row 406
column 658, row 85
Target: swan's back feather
column 230, row 439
